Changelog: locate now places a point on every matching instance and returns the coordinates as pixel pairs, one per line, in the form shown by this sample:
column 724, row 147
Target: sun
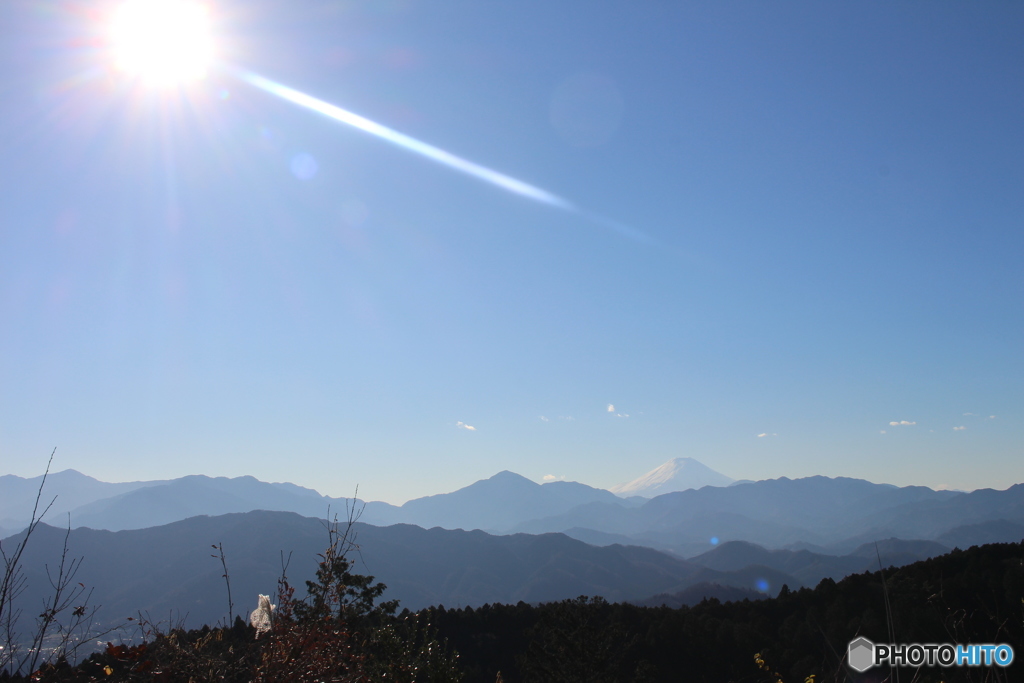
column 162, row 42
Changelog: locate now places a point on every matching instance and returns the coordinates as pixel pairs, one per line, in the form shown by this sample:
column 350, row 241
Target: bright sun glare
column 163, row 42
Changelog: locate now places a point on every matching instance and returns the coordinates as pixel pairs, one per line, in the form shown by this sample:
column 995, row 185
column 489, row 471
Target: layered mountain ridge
column 503, row 539
column 169, row 568
column 826, row 515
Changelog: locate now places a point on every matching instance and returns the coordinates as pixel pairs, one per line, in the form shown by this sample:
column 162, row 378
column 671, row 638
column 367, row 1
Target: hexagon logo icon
column 861, row 654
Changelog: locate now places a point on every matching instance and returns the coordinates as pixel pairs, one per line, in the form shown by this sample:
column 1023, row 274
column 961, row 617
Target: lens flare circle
column 162, row 42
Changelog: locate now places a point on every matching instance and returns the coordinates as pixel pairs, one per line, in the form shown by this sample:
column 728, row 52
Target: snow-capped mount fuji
column 678, row 474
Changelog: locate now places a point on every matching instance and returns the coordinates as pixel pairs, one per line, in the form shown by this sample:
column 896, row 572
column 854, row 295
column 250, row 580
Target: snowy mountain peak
column 677, row 474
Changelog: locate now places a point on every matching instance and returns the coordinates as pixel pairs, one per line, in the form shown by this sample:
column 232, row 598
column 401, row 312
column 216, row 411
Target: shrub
column 339, row 632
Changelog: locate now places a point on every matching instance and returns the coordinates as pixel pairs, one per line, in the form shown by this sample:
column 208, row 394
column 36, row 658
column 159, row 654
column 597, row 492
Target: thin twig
column 13, row 582
column 227, row 579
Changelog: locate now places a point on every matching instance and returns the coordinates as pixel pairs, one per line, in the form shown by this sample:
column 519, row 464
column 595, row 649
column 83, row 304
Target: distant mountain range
column 819, row 514
column 68, row 490
column 678, row 474
column 831, row 515
column 137, row 505
column 495, row 504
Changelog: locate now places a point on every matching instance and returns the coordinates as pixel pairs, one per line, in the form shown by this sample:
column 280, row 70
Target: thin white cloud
column 611, row 408
column 959, row 429
column 621, row 414
column 551, row 477
column 991, row 417
column 882, row 432
column 544, row 419
column 764, row 434
column 463, row 425
column 901, row 423
column 967, row 414
column 566, row 417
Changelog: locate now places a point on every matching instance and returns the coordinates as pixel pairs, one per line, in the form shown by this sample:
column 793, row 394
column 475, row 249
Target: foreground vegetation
column 340, row 632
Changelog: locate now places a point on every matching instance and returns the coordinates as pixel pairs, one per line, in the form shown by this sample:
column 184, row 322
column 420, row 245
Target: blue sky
column 210, row 279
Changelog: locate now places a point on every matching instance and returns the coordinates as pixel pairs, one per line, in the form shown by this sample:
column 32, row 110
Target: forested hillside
column 969, row 596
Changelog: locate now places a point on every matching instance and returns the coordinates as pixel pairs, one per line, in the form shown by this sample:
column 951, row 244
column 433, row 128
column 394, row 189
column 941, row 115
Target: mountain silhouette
column 498, row 503
column 829, row 516
column 68, row 490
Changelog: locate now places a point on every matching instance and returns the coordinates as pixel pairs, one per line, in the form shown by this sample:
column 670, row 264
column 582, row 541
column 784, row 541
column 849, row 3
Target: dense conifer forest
column 971, row 596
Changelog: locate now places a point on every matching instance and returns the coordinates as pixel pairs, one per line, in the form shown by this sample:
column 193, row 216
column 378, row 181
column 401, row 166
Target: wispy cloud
column 901, row 423
column 991, row 417
column 544, row 419
column 764, row 434
column 551, row 477
column 463, row 425
column 959, row 429
column 882, row 432
column 969, row 414
column 611, row 408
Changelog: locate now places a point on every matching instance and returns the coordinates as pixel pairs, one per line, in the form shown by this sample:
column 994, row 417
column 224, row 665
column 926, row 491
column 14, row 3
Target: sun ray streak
column 435, row 153
column 410, row 143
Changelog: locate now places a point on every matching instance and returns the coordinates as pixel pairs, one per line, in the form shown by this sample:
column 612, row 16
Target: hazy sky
column 797, row 251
